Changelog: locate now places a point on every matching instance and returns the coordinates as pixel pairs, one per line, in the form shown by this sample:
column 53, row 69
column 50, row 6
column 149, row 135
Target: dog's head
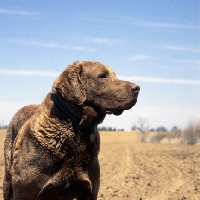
column 96, row 85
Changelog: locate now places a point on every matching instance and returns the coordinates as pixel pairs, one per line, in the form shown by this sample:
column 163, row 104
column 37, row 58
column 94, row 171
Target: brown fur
column 51, row 150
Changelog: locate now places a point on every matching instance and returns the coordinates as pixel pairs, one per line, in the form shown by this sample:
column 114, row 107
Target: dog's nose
column 135, row 88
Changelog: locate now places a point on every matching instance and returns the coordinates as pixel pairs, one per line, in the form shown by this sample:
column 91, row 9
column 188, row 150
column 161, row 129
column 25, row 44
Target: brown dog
column 51, row 150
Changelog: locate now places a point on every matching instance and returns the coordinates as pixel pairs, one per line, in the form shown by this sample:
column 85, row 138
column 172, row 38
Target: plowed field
column 141, row 171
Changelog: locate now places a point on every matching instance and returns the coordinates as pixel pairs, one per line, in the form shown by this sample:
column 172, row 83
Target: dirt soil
column 141, row 171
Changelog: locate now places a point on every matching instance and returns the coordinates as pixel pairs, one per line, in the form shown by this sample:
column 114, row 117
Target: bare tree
column 142, row 124
column 1, row 123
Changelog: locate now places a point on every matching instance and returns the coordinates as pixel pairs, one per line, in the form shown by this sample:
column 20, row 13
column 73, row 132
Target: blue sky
column 154, row 43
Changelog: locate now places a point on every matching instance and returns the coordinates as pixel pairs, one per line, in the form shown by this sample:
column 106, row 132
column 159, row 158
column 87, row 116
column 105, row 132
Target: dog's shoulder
column 22, row 116
column 17, row 122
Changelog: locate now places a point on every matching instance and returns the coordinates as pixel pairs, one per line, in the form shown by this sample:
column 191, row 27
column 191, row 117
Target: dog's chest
column 66, row 141
column 82, row 147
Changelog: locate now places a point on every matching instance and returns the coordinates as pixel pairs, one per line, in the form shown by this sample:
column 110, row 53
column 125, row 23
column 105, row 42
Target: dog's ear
column 69, row 84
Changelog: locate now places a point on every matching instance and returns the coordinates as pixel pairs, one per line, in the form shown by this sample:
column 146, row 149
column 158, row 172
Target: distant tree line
column 4, row 127
column 104, row 128
column 159, row 129
column 143, row 125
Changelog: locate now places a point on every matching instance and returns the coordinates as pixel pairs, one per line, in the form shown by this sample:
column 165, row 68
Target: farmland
column 131, row 169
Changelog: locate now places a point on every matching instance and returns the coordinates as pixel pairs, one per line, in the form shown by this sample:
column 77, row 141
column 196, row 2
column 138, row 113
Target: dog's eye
column 103, row 76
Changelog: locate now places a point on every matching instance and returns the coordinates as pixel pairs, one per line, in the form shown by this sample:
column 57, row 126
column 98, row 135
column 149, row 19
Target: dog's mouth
column 119, row 111
column 114, row 112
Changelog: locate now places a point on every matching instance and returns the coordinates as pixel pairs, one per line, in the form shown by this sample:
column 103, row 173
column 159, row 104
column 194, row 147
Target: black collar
column 74, row 118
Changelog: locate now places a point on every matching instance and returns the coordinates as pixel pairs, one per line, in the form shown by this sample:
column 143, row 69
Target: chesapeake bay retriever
column 51, row 150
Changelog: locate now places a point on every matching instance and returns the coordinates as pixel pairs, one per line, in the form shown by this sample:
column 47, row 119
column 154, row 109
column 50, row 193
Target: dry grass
column 190, row 135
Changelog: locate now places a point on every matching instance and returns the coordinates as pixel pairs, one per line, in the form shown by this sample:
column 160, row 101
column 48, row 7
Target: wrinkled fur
column 51, row 154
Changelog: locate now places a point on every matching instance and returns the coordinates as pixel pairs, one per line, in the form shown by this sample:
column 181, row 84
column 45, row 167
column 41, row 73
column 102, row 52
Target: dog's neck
column 81, row 115
column 60, row 120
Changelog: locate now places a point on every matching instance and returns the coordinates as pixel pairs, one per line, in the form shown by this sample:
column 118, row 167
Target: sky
column 153, row 43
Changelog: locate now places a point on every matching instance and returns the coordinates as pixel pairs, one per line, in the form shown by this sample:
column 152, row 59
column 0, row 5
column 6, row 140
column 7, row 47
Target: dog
column 51, row 149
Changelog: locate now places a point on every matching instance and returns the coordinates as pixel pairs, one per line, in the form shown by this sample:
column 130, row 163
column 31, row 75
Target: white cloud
column 197, row 62
column 135, row 22
column 179, row 48
column 100, row 40
column 161, row 80
column 169, row 25
column 15, row 12
column 29, row 73
column 80, row 48
column 53, row 45
column 130, row 78
column 160, row 24
column 42, row 44
column 139, row 57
